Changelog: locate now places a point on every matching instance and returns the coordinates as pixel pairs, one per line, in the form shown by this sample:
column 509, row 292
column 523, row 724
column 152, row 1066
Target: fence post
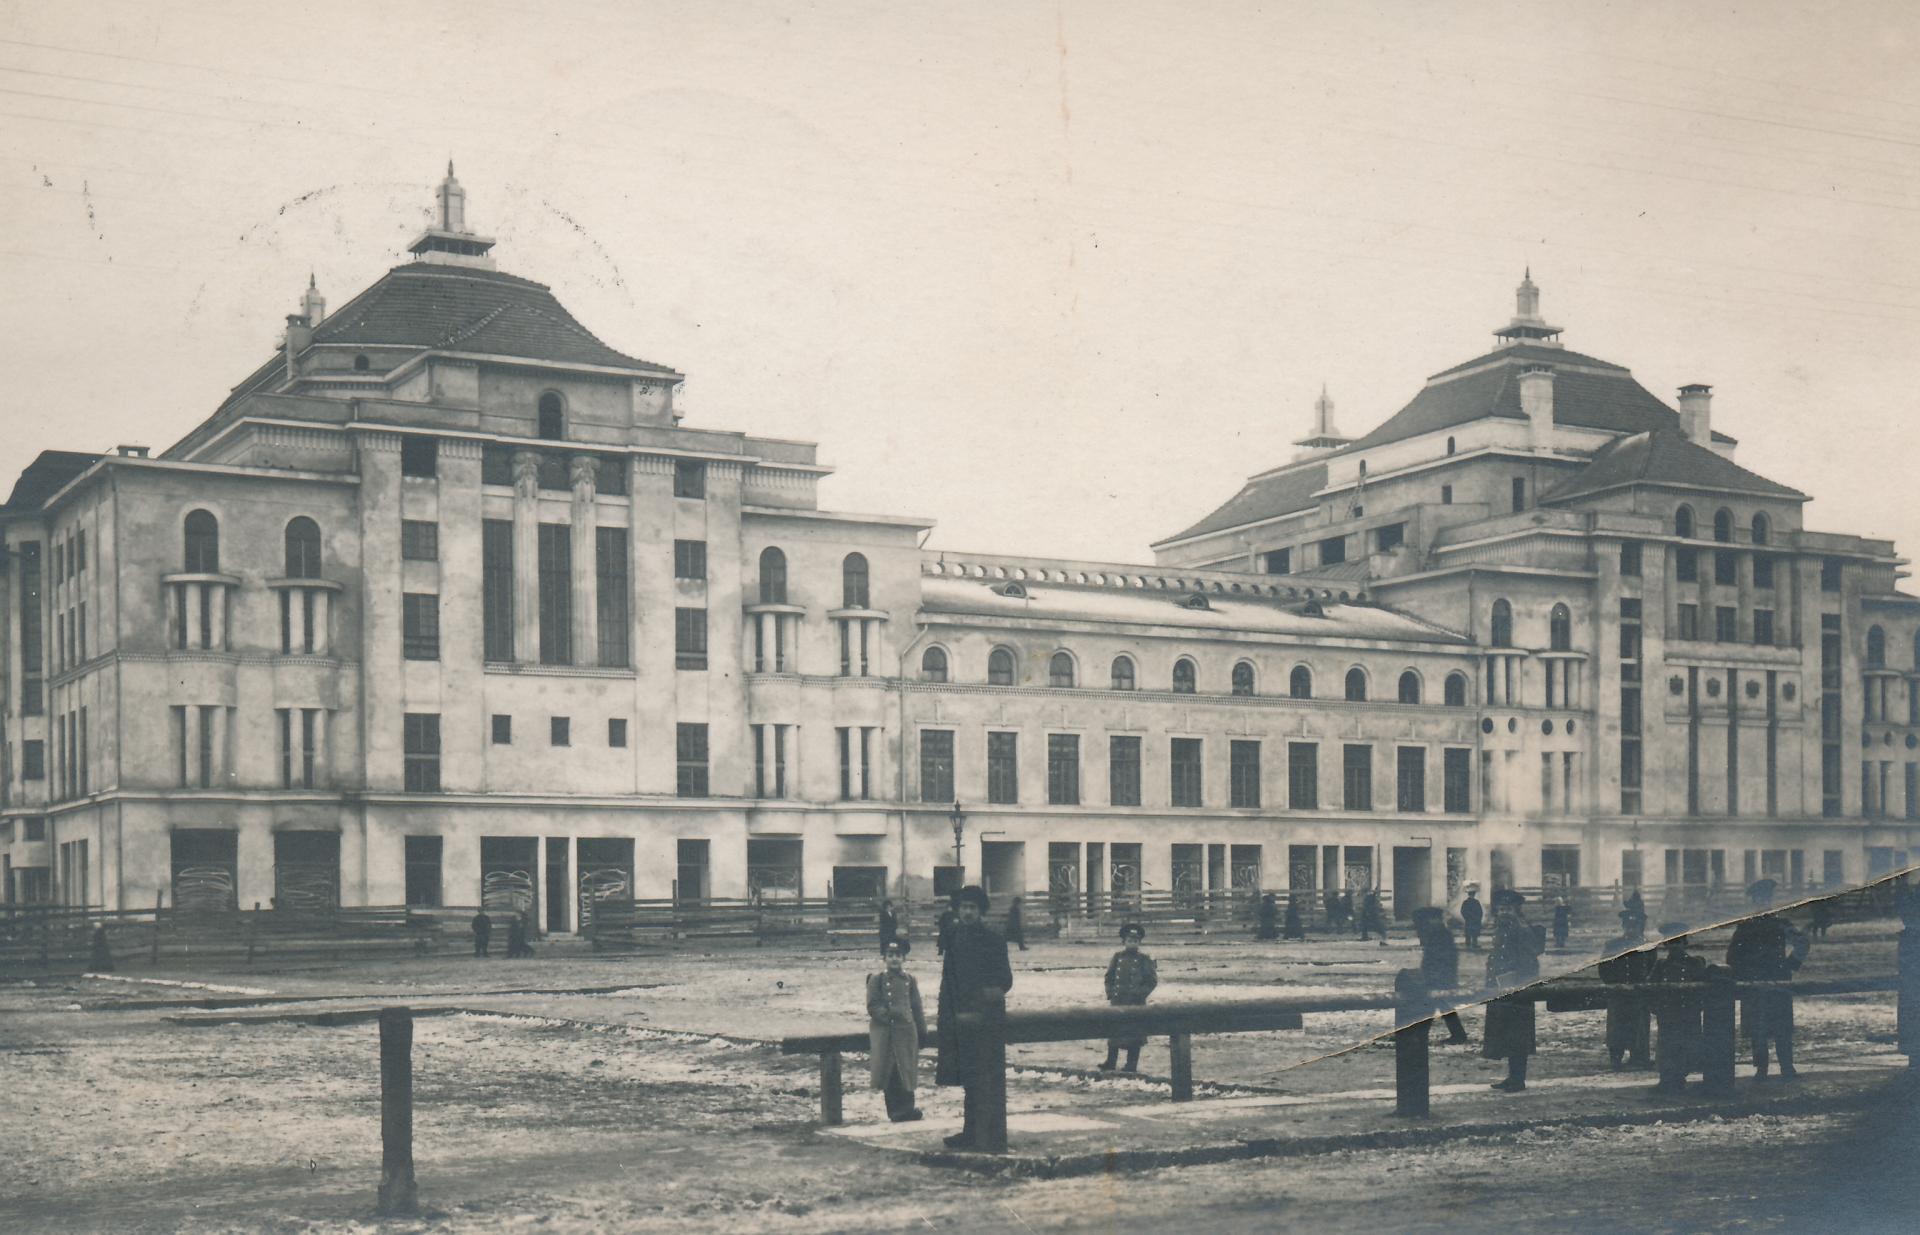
column 990, row 1131
column 1413, row 1020
column 159, row 899
column 1180, row 1047
column 830, row 1088
column 1717, row 1032
column 398, row 1192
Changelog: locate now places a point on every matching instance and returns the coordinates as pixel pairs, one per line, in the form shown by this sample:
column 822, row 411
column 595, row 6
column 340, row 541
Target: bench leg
column 830, row 1088
column 1180, row 1047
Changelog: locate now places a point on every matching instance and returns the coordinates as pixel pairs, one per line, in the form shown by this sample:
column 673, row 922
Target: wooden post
column 1718, row 1033
column 398, row 1192
column 990, row 1130
column 1180, row 1047
column 1413, row 1014
column 159, row 899
column 830, row 1088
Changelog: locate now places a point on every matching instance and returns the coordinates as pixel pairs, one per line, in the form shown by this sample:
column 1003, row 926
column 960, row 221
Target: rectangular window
column 420, row 626
column 1186, row 771
column 689, row 559
column 1123, row 770
column 420, row 733
column 1726, row 624
column 556, row 594
column 1303, row 776
column 690, row 760
column 419, row 456
column 1519, row 494
column 1063, row 769
column 1912, row 787
column 496, row 464
column 422, row 856
column 496, row 589
column 285, row 716
column 610, row 475
column 33, row 759
column 1726, row 567
column 1630, row 558
column 560, row 730
column 80, row 549
column 1412, row 781
column 1446, row 495
column 1356, row 777
column 205, row 761
column 502, row 729
column 1830, row 574
column 611, row 622
column 80, row 632
column 1763, row 626
column 309, row 746
column 689, row 479
column 617, row 731
column 1243, row 774
column 1457, row 782
column 1686, row 565
column 1389, row 537
column 419, row 540
column 1279, row 562
column 1003, row 768
column 844, row 736
column 1629, row 775
column 1762, row 571
column 1333, row 551
column 936, row 765
column 1688, row 625
column 30, row 633
column 690, row 638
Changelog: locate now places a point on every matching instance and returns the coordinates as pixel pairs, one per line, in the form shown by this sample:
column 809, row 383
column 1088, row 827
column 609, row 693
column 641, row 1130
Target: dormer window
column 1195, row 601
column 553, row 417
column 1016, row 591
column 360, row 363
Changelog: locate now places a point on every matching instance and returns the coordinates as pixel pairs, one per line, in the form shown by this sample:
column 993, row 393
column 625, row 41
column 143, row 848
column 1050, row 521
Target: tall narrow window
column 420, row 626
column 1063, row 769
column 689, row 638
column 1123, row 770
column 773, row 576
column 1630, row 558
column 202, row 536
column 1519, row 494
column 936, row 765
column 1500, row 632
column 1303, row 776
column 853, row 582
column 285, row 717
column 611, row 621
column 1457, row 783
column 1409, row 687
column 933, row 665
column 553, row 417
column 420, row 734
column 1723, row 525
column 1243, row 774
column 303, row 548
column 1560, row 629
column 1356, row 772
column 1456, row 690
column 1003, row 768
column 556, row 594
column 1683, row 522
column 309, row 746
column 496, row 589
column 1411, row 781
column 1186, row 769
column 690, row 760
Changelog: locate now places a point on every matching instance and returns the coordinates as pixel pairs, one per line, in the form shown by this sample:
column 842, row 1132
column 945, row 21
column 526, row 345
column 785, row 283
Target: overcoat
column 1908, row 1007
column 1766, row 949
column 974, row 977
column 896, row 1023
column 1513, row 960
column 1131, row 977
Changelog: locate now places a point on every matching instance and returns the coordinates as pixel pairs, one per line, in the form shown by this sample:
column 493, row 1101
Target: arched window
column 773, row 576
column 1060, row 670
column 1300, row 682
column 1723, row 525
column 853, row 581
column 1683, row 522
column 1456, row 690
column 1502, row 633
column 933, row 665
column 1449, row 445
column 1000, row 667
column 1762, row 529
column 1560, row 629
column 303, row 549
column 1409, row 687
column 553, row 417
column 360, row 363
column 1356, row 685
column 1184, row 680
column 202, row 543
column 1876, row 648
column 1123, row 673
column 1243, row 678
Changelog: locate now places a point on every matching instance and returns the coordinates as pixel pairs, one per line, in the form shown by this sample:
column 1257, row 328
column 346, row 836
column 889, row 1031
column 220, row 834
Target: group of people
column 482, row 928
column 1369, row 919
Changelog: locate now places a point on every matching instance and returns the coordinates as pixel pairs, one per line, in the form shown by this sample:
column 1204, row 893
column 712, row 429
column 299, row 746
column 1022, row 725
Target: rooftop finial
column 449, row 239
column 1527, row 325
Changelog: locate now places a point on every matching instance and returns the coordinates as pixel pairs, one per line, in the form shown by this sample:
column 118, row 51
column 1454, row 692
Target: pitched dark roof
column 45, row 476
column 462, row 308
column 1264, row 497
column 1663, row 457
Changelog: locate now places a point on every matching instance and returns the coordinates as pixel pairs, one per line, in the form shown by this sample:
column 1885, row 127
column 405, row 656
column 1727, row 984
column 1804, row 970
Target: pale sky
column 1055, row 276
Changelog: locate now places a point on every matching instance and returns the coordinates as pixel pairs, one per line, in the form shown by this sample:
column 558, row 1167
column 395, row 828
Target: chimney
column 299, row 337
column 1536, row 400
column 131, row 452
column 313, row 304
column 1696, row 416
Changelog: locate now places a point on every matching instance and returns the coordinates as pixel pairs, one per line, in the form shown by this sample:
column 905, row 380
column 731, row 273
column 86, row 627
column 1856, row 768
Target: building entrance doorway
column 1003, row 868
column 1412, row 879
column 306, row 871
column 206, row 862
column 508, row 888
column 773, row 870
column 606, row 872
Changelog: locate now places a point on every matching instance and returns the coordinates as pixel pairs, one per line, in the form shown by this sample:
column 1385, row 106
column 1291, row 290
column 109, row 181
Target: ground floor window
column 205, row 864
column 306, row 870
column 423, row 871
column 692, row 880
column 773, row 870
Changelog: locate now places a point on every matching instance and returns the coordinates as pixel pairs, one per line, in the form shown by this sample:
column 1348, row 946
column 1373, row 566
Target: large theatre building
column 446, row 603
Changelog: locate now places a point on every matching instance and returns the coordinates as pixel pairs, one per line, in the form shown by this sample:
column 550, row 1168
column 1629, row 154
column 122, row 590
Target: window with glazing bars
column 1063, row 769
column 689, row 638
column 1356, row 777
column 1412, row 778
column 1243, row 773
column 690, row 760
column 611, row 622
column 1303, row 776
column 1457, row 780
column 496, row 589
column 1123, row 770
column 556, row 594
column 419, row 540
column 936, row 765
column 420, row 736
column 1185, row 771
column 1003, row 768
column 420, row 626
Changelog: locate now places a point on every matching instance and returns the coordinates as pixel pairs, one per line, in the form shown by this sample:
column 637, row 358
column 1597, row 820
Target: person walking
column 975, row 977
column 1767, row 949
column 1267, row 918
column 482, row 928
column 1562, row 922
column 1472, row 917
column 896, row 1024
column 1373, row 916
column 1637, row 906
column 1131, row 977
column 1347, row 920
column 1513, row 961
column 1629, row 1033
column 1016, row 925
column 517, row 945
column 889, row 926
column 1332, row 899
column 1439, row 964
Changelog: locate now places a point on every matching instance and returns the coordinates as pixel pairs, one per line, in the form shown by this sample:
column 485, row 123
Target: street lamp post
column 958, row 818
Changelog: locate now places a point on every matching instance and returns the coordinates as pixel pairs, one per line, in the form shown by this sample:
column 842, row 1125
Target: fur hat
column 972, row 892
column 1134, row 929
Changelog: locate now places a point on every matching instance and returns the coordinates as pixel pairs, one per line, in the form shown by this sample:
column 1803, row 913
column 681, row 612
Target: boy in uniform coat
column 896, row 1022
column 1514, row 961
column 974, row 977
column 1131, row 977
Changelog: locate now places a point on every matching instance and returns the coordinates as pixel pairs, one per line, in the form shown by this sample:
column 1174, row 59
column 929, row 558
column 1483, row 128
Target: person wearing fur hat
column 1514, row 960
column 896, row 1023
column 974, row 978
column 1131, row 977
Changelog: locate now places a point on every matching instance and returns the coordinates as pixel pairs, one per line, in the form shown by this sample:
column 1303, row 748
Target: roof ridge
column 473, row 328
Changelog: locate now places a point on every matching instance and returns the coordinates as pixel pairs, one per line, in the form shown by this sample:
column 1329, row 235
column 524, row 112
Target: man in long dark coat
column 1514, row 961
column 1767, row 949
column 1629, row 1033
column 974, row 978
column 1439, row 964
column 482, row 927
column 1472, row 915
column 1677, row 1014
column 889, row 926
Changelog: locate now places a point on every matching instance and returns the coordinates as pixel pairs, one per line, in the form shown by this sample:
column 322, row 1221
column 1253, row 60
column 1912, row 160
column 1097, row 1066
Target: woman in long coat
column 896, row 1022
column 1513, row 961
